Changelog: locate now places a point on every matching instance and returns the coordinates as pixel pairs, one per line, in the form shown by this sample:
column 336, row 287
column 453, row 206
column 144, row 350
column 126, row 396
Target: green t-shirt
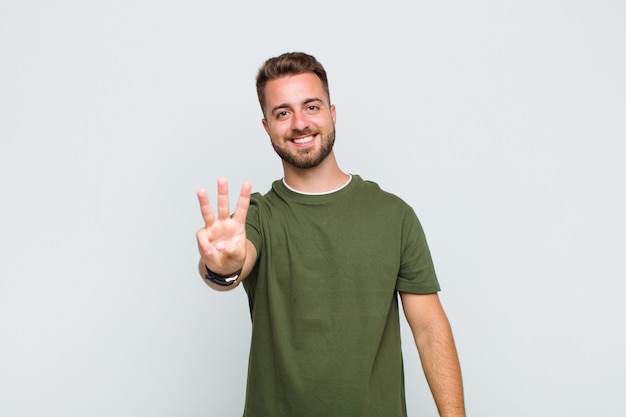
column 323, row 300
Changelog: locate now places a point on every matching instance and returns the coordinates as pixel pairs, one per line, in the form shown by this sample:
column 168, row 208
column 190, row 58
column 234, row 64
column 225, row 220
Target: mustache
column 299, row 133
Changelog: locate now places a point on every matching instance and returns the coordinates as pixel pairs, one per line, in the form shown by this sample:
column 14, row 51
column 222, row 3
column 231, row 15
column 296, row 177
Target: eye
column 312, row 108
column 281, row 114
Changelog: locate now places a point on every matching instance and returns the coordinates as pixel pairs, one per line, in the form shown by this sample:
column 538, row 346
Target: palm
column 222, row 240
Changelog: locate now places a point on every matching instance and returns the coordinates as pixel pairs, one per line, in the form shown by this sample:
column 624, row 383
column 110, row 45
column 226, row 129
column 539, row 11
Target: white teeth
column 303, row 140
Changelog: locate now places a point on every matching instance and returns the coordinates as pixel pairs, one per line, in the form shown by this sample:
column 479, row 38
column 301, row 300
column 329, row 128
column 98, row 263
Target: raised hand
column 222, row 240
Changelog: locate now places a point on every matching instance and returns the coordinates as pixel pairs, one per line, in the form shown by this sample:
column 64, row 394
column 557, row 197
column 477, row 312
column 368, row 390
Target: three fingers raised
column 223, row 203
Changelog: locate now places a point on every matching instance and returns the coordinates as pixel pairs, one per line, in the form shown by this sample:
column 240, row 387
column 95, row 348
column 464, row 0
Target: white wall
column 502, row 123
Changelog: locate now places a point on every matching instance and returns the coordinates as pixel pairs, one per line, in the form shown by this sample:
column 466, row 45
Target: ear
column 333, row 113
column 265, row 125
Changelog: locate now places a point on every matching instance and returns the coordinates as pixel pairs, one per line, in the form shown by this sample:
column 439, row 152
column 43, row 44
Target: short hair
column 289, row 63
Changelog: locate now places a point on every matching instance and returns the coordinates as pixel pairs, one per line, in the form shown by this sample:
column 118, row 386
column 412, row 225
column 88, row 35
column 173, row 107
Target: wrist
column 219, row 279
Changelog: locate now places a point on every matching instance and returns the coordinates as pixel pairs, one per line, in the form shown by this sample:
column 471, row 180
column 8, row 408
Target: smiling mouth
column 303, row 139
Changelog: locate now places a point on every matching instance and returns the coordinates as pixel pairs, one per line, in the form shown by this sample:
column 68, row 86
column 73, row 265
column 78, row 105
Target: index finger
column 241, row 210
column 205, row 207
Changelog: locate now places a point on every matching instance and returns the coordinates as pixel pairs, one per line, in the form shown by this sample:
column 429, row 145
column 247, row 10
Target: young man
column 323, row 256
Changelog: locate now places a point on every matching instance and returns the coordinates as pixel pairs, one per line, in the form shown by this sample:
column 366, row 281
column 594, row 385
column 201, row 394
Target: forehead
column 292, row 89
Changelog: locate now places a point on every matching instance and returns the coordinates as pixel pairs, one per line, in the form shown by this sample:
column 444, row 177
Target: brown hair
column 289, row 63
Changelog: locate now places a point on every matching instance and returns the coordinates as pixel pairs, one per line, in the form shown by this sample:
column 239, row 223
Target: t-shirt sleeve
column 417, row 272
column 253, row 224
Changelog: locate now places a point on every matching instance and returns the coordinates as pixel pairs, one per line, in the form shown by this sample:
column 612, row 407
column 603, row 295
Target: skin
column 300, row 122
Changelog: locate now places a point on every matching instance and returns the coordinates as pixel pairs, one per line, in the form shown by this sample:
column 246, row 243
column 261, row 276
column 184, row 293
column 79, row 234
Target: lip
column 303, row 140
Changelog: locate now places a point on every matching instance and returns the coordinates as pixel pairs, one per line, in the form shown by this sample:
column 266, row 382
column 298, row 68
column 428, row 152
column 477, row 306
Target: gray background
column 502, row 123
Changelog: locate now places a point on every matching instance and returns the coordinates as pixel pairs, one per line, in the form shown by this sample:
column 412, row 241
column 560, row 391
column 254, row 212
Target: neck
column 323, row 178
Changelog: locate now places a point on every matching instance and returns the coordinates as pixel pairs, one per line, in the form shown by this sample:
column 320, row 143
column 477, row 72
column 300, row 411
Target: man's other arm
column 435, row 344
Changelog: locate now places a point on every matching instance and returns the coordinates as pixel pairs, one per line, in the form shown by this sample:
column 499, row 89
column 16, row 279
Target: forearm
column 441, row 366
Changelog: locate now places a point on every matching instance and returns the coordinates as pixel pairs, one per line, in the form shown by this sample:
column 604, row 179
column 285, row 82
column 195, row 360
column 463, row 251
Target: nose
column 299, row 121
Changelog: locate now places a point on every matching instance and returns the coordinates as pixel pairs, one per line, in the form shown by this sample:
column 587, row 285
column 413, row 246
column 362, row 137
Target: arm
column 222, row 241
column 435, row 344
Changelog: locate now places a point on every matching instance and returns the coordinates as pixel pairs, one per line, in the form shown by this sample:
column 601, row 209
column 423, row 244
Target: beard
column 309, row 158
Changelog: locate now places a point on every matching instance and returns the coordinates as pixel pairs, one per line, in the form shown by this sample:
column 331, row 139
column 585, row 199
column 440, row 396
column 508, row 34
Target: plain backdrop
column 503, row 123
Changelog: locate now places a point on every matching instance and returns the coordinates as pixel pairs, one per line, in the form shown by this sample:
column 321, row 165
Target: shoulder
column 372, row 191
column 258, row 198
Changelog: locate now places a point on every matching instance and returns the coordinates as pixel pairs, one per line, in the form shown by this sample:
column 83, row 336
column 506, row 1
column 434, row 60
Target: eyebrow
column 305, row 102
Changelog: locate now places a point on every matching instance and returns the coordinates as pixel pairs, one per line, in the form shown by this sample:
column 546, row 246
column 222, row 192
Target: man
column 323, row 256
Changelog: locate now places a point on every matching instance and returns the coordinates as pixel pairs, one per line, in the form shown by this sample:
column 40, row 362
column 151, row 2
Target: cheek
column 274, row 135
column 277, row 130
